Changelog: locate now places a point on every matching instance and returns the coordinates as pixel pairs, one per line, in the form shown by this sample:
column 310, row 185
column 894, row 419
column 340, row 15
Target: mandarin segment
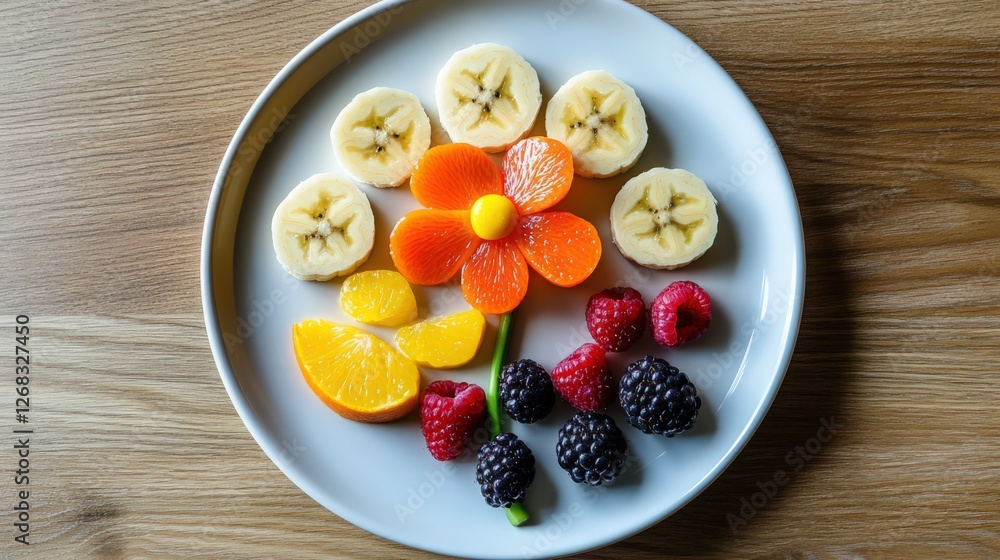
column 563, row 248
column 537, row 174
column 495, row 279
column 378, row 297
column 355, row 373
column 454, row 176
column 443, row 342
column 429, row 247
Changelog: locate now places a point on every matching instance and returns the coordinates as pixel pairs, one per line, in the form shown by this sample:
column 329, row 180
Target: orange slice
column 495, row 279
column 453, row 176
column 428, row 247
column 562, row 247
column 356, row 374
column 444, row 342
column 537, row 174
column 378, row 297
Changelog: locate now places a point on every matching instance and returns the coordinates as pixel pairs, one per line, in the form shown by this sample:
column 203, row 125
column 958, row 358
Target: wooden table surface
column 114, row 116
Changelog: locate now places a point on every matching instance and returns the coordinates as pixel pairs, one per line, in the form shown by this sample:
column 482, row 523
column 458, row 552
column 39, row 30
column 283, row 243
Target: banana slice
column 380, row 136
column 323, row 228
column 664, row 218
column 602, row 121
column 488, row 96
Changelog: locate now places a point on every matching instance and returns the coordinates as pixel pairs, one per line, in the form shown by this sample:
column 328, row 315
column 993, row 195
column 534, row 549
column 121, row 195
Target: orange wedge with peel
column 355, row 373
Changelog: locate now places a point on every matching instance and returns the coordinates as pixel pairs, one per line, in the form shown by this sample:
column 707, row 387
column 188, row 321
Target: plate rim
column 249, row 417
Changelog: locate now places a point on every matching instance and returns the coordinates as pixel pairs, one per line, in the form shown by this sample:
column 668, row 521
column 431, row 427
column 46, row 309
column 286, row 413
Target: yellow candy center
column 493, row 217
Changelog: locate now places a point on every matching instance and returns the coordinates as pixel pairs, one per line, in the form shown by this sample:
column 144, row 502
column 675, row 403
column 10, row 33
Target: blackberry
column 526, row 391
column 504, row 470
column 658, row 398
column 591, row 448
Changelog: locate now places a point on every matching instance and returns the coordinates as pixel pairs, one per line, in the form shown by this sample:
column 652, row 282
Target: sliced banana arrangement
column 324, row 228
column 601, row 120
column 380, row 135
column 664, row 218
column 488, row 96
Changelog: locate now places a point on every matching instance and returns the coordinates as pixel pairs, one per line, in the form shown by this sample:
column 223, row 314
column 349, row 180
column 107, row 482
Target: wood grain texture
column 114, row 117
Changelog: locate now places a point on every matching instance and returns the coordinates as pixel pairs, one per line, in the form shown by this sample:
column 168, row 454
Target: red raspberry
column 616, row 318
column 583, row 379
column 449, row 413
column 681, row 313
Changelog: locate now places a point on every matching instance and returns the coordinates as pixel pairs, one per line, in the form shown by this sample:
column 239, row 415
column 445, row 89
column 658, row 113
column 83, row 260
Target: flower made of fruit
column 490, row 223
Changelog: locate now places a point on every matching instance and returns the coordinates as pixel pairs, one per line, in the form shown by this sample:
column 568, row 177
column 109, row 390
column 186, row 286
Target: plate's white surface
column 380, row 477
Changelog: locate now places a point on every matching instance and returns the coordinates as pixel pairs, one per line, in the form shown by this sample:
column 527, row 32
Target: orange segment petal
column 453, row 176
column 537, row 173
column 430, row 246
column 496, row 277
column 561, row 247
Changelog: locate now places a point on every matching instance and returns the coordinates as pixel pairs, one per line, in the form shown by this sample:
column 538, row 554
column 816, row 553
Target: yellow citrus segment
column 355, row 373
column 444, row 342
column 378, row 297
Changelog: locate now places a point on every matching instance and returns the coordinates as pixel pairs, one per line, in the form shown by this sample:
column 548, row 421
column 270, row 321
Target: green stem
column 493, row 393
column 516, row 513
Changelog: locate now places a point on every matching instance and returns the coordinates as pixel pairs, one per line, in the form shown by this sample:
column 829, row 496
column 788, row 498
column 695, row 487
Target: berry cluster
column 656, row 397
column 505, row 468
column 616, row 318
column 591, row 448
column 449, row 413
column 526, row 391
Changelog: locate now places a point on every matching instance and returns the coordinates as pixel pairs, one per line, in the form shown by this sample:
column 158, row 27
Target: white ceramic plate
column 380, row 477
